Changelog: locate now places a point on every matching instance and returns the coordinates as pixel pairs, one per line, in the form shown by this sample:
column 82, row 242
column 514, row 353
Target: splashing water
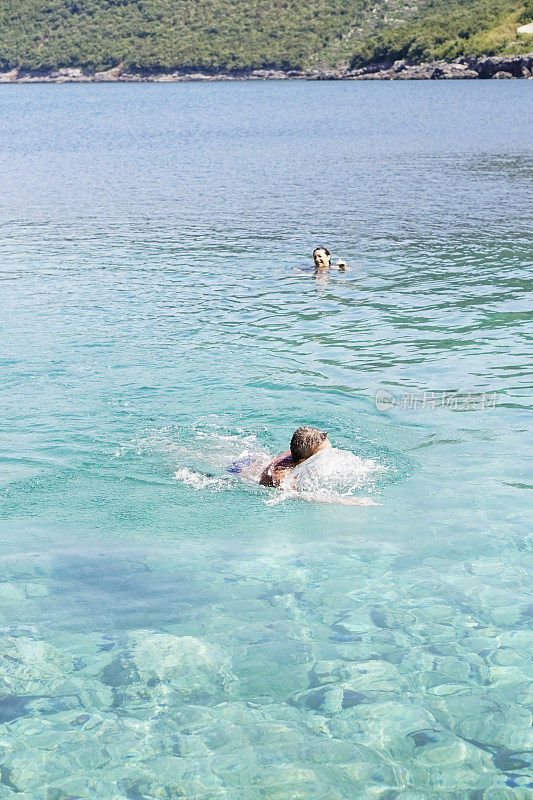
column 216, row 450
column 333, row 474
column 198, row 480
column 329, row 476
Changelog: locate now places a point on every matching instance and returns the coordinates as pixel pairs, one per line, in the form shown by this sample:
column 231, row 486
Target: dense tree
column 447, row 29
column 165, row 35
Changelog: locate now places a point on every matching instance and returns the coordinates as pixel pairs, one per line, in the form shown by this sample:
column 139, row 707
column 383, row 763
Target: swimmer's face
column 321, row 258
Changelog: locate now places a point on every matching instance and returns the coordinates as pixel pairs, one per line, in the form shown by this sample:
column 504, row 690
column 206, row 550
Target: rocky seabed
column 287, row 680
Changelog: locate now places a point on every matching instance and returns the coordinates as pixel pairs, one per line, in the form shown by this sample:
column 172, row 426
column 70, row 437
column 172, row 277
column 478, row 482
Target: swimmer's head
column 321, row 257
column 306, row 442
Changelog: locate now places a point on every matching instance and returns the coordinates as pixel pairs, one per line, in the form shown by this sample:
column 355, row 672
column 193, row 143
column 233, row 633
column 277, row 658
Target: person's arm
column 341, row 265
column 266, row 477
column 277, row 470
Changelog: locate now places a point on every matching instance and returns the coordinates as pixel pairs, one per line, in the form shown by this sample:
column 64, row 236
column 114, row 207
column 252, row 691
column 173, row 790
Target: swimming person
column 305, row 442
column 322, row 259
column 307, row 469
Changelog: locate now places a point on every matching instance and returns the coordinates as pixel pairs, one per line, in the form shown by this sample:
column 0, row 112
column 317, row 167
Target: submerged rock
column 32, row 666
column 34, row 590
column 10, row 592
column 185, row 664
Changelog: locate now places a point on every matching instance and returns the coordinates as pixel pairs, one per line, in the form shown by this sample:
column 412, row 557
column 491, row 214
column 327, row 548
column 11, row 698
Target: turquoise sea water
column 171, row 631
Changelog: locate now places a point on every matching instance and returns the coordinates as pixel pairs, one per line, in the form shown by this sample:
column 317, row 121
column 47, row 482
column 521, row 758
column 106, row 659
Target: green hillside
column 446, row 30
column 211, row 35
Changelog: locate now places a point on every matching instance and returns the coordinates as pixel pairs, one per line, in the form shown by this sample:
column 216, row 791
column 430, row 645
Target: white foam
column 199, row 480
column 220, row 448
column 333, row 475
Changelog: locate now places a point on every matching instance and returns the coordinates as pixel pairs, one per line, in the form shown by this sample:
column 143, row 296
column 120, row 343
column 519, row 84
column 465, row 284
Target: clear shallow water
column 169, row 633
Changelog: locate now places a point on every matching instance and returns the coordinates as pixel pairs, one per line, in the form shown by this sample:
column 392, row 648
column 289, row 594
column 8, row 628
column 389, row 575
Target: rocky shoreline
column 461, row 68
column 519, row 66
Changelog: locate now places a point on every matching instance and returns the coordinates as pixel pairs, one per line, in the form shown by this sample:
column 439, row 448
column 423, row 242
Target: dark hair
column 325, row 249
column 305, row 441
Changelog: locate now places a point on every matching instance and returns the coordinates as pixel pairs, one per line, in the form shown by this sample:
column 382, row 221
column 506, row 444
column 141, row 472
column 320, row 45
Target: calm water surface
column 168, row 631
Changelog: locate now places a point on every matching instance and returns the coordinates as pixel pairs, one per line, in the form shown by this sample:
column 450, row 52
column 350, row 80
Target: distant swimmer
column 305, row 443
column 322, row 265
column 322, row 259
